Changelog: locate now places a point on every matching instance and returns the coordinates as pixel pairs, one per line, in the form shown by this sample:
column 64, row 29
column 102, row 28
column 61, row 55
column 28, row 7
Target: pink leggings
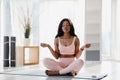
column 53, row 65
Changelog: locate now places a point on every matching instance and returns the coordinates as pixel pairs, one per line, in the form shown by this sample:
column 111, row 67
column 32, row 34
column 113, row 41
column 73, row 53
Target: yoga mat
column 6, row 51
column 13, row 51
column 40, row 73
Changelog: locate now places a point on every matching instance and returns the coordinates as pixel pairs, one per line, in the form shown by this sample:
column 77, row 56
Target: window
column 106, row 27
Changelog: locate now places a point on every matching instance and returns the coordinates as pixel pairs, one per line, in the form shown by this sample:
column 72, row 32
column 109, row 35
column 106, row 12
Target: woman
column 66, row 51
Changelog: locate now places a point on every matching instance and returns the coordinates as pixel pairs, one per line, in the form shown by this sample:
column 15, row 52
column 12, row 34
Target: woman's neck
column 66, row 36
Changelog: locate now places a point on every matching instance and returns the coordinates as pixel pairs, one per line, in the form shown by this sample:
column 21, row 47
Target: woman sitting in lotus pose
column 66, row 51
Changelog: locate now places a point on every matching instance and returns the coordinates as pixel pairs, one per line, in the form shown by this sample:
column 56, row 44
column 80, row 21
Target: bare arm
column 79, row 51
column 55, row 52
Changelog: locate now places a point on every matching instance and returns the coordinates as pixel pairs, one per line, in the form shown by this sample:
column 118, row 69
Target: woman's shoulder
column 56, row 39
column 76, row 39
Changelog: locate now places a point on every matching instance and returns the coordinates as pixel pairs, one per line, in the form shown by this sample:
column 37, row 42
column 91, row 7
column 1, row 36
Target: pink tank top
column 67, row 50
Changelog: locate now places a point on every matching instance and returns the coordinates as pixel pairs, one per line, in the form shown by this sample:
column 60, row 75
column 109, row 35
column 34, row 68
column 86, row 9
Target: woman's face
column 66, row 27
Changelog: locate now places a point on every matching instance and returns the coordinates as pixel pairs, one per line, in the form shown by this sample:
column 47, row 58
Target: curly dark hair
column 60, row 31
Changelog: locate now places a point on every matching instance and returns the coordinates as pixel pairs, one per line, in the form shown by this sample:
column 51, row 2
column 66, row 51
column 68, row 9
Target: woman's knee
column 81, row 62
column 46, row 60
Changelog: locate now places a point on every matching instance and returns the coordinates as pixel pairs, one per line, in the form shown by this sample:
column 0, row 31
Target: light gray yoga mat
column 40, row 73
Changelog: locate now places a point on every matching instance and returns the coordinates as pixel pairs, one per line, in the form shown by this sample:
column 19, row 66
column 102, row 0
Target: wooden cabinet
column 27, row 55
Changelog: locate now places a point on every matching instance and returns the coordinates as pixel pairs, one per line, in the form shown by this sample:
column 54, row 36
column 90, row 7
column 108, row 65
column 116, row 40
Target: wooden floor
column 110, row 67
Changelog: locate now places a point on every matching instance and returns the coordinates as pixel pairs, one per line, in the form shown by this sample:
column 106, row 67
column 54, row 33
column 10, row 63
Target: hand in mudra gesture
column 87, row 45
column 44, row 45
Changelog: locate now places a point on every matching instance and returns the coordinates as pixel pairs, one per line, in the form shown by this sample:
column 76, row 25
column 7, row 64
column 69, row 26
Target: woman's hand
column 44, row 45
column 87, row 45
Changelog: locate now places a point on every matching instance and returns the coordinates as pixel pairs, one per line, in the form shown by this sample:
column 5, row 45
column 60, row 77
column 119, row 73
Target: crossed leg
column 75, row 66
column 58, row 69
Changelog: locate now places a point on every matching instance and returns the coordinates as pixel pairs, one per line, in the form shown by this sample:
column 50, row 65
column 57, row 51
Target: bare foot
column 56, row 73
column 73, row 73
column 52, row 73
